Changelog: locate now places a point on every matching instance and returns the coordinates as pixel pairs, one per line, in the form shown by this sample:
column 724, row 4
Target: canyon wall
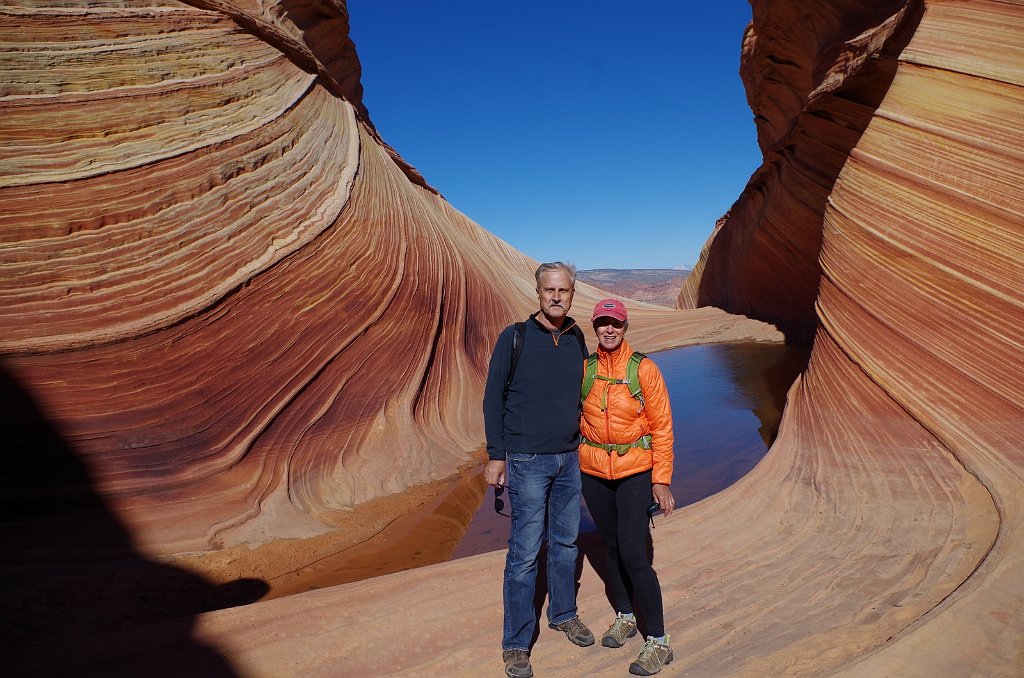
column 886, row 222
column 229, row 312
column 218, row 285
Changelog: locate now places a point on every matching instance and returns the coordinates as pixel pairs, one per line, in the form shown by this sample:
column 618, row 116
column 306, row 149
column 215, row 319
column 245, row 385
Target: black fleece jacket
column 542, row 413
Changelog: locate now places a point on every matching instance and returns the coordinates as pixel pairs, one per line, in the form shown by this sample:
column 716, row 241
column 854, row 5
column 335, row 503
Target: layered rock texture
column 887, row 220
column 229, row 314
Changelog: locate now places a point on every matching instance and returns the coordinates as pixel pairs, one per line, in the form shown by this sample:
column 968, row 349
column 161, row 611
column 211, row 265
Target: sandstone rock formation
column 207, row 248
column 229, row 313
column 886, row 216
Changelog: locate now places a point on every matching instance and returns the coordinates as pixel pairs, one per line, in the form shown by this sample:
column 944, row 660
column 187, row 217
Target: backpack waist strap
column 643, row 443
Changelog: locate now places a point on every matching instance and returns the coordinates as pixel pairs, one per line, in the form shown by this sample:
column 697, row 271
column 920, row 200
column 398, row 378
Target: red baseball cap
column 613, row 308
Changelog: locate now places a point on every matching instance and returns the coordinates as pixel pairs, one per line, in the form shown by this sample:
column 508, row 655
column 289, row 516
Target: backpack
column 517, row 350
column 632, row 379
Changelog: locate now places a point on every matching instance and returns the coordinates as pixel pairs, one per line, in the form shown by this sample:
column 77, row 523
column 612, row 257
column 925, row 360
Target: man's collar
column 566, row 324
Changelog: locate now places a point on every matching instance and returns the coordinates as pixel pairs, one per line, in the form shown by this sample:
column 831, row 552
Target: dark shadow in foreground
column 77, row 597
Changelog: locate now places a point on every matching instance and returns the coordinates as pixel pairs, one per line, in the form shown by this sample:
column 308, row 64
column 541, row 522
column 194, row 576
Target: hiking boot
column 622, row 628
column 517, row 663
column 575, row 631
column 653, row 656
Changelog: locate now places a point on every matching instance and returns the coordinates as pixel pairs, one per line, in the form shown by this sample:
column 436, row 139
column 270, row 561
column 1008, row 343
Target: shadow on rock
column 78, row 598
column 591, row 546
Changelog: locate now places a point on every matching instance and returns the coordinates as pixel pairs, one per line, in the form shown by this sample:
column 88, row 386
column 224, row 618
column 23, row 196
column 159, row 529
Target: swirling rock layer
column 229, row 313
column 892, row 142
column 881, row 535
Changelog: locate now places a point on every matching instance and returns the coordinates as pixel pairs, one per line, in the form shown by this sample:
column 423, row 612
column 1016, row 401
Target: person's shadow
column 590, row 548
column 76, row 596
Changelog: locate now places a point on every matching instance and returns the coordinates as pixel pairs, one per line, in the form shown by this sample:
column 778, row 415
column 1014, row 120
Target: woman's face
column 610, row 332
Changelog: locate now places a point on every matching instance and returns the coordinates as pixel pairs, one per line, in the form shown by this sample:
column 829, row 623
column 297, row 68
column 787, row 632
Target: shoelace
column 648, row 649
column 624, row 621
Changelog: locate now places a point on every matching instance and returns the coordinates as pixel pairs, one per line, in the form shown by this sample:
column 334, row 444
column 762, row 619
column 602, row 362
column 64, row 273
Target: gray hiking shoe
column 621, row 628
column 653, row 656
column 517, row 664
column 575, row 631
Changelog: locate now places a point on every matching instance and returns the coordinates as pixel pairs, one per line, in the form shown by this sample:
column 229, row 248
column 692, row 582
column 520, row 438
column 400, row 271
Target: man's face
column 555, row 294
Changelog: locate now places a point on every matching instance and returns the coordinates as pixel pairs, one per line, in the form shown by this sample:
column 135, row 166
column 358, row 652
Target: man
column 531, row 419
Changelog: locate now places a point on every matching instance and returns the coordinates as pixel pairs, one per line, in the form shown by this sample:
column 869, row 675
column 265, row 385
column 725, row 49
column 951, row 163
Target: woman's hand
column 663, row 495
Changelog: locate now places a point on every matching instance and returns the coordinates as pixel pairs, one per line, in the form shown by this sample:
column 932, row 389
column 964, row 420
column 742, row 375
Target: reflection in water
column 727, row 400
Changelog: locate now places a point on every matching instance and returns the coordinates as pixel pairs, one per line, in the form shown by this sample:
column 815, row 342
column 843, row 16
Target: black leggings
column 619, row 509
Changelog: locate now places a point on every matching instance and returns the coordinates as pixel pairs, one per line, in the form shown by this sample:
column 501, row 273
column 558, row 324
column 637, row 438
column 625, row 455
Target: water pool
column 727, row 400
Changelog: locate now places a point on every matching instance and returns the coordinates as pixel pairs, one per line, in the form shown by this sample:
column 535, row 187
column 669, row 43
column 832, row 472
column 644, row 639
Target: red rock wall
column 206, row 249
column 235, row 332
column 887, row 215
column 234, row 310
column 815, row 73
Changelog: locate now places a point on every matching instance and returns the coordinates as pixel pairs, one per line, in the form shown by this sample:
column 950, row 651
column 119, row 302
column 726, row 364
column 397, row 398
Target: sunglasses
column 605, row 320
column 651, row 510
column 499, row 503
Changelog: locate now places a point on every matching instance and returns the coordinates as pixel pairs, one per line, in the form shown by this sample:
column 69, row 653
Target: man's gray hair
column 556, row 266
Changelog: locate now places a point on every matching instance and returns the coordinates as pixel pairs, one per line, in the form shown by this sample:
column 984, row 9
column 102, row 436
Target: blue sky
column 607, row 134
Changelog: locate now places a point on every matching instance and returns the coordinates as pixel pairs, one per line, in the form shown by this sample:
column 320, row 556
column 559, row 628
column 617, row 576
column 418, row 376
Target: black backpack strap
column 580, row 338
column 518, row 335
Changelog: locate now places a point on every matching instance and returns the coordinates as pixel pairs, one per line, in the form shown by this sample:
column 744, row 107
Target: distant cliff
column 658, row 286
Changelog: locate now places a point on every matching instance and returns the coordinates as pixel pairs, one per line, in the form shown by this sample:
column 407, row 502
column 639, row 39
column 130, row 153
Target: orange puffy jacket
column 622, row 423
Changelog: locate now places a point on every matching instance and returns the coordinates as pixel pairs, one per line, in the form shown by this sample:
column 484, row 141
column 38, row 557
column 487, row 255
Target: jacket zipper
column 555, row 336
column 608, row 427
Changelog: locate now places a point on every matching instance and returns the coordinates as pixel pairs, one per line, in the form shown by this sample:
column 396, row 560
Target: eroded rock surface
column 228, row 311
column 885, row 216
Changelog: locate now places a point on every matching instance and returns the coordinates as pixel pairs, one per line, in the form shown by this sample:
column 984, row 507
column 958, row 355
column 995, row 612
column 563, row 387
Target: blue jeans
column 544, row 493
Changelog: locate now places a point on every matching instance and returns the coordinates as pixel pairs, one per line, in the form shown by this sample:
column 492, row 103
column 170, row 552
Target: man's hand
column 663, row 495
column 494, row 473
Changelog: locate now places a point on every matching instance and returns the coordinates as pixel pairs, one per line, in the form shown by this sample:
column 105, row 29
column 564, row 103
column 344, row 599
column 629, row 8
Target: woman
column 626, row 460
